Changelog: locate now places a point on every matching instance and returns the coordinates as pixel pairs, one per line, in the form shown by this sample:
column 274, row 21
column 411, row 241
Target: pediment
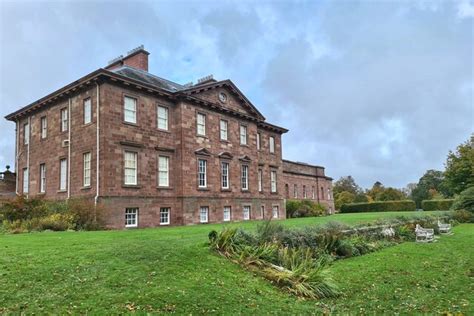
column 225, row 155
column 234, row 99
column 203, row 152
column 245, row 158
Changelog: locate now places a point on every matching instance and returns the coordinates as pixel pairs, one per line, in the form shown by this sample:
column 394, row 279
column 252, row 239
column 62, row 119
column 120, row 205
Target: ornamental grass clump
column 293, row 269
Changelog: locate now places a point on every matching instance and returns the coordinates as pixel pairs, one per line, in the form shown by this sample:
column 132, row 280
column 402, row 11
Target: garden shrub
column 36, row 214
column 304, row 208
column 379, row 206
column 22, row 208
column 437, row 205
column 465, row 200
column 463, row 216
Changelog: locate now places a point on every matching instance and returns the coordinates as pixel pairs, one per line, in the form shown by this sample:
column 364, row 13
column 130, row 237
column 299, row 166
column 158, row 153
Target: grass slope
column 172, row 270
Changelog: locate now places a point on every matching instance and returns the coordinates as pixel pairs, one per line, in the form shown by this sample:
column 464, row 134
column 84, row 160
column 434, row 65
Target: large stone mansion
column 155, row 152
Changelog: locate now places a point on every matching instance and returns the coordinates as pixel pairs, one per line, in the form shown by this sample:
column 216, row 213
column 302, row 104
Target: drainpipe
column 28, row 156
column 17, row 131
column 96, row 198
column 69, row 151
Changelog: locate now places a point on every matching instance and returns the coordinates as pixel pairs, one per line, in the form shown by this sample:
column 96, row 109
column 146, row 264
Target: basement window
column 131, row 217
column 164, row 216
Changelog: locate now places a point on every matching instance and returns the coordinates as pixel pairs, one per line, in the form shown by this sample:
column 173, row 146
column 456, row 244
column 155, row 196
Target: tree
column 429, row 185
column 377, row 188
column 465, row 200
column 361, row 198
column 346, row 184
column 344, row 197
column 459, row 174
column 390, row 194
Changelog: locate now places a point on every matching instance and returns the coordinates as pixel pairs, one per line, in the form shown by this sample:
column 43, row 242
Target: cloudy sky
column 380, row 90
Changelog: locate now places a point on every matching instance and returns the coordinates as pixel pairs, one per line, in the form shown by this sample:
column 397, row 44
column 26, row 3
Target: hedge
column 380, row 206
column 437, row 205
column 303, row 208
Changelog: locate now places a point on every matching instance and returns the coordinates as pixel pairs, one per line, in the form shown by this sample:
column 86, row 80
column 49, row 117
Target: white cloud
column 379, row 90
column 465, row 9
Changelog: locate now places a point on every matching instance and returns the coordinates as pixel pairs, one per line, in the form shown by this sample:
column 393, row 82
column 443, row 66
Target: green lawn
column 172, row 270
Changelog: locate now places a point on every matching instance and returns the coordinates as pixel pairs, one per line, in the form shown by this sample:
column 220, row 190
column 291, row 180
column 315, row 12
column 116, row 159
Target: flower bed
column 296, row 259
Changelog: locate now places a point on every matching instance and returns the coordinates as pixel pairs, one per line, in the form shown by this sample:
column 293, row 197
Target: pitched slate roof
column 147, row 77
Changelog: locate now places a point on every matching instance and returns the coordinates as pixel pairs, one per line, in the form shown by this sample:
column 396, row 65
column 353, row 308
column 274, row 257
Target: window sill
column 87, row 124
column 224, row 141
column 167, row 131
column 226, row 190
column 203, row 189
column 164, row 188
column 130, row 123
column 86, row 188
column 135, row 226
column 41, row 194
column 61, row 191
column 244, row 145
column 131, row 186
column 164, row 224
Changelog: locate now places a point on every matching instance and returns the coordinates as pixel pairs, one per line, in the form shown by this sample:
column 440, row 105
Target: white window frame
column 259, row 140
column 260, row 180
column 64, row 120
column 273, row 181
column 224, row 128
column 202, row 173
column 130, row 167
column 204, row 214
column 201, row 124
column 163, row 171
column 243, row 134
column 262, row 211
column 87, row 164
column 162, row 117
column 88, row 111
column 227, row 214
column 329, row 194
column 225, row 175
column 26, row 133
column 130, row 109
column 132, row 219
column 63, row 174
column 42, row 178
column 244, row 177
column 275, row 211
column 165, row 214
column 246, row 209
column 272, row 144
column 313, row 192
column 26, row 181
column 44, row 127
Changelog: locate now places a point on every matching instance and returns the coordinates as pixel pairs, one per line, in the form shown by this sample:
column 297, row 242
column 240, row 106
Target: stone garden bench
column 444, row 228
column 424, row 234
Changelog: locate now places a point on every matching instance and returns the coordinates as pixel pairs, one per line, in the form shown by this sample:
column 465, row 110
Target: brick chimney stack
column 136, row 58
